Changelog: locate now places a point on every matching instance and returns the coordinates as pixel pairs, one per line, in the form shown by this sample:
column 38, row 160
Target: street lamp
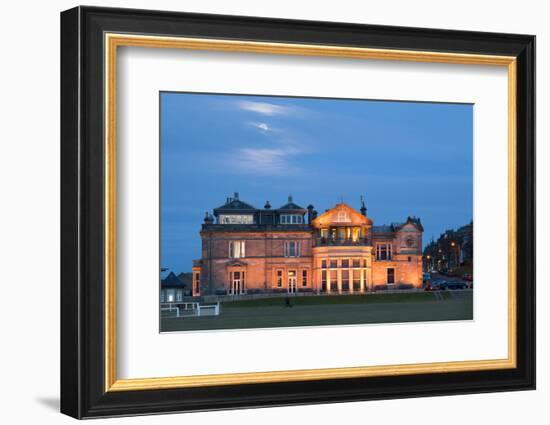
column 456, row 253
column 428, row 262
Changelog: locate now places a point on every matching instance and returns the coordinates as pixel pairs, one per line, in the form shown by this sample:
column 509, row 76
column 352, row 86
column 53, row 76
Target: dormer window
column 291, row 219
column 236, row 219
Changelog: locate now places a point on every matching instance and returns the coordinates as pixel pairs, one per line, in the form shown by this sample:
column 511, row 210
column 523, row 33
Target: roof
column 415, row 221
column 173, row 281
column 341, row 215
column 383, row 229
column 291, row 206
column 396, row 227
column 234, row 205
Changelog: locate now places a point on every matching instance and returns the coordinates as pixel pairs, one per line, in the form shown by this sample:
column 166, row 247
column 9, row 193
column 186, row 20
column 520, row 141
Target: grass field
column 331, row 310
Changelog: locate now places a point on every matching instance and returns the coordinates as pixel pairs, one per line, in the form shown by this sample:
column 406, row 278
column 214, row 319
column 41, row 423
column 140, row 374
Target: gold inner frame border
column 113, row 40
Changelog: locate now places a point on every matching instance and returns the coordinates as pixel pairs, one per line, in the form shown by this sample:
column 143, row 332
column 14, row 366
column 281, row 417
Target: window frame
column 287, row 249
column 242, row 249
column 388, row 251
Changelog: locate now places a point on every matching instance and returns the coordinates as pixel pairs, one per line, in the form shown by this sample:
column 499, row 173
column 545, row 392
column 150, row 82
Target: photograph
column 279, row 211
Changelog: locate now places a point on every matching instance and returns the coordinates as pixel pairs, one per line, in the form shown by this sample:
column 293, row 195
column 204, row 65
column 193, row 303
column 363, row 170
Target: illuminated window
column 279, row 278
column 291, row 219
column 236, row 249
column 356, row 280
column 345, row 280
column 197, row 282
column 236, row 219
column 292, row 249
column 333, row 280
column 383, row 251
column 170, row 295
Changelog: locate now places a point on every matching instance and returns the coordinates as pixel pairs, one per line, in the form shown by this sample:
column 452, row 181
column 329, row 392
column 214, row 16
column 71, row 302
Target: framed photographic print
column 261, row 212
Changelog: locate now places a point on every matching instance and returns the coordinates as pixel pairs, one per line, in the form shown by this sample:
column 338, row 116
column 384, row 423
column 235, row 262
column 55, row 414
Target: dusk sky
column 404, row 158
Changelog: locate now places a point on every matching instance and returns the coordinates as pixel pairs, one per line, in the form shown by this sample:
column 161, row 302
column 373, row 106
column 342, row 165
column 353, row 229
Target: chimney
column 310, row 213
column 236, row 195
column 289, row 198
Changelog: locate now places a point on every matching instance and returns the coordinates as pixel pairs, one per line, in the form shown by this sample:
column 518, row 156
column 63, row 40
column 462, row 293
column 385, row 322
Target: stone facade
column 293, row 249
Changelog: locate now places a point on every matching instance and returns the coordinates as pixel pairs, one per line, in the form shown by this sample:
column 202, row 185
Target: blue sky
column 405, row 158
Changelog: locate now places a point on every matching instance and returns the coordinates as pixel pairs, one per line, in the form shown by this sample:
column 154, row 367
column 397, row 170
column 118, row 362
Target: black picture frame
column 83, row 392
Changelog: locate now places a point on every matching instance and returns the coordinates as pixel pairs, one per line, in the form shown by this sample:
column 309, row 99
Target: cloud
column 264, row 108
column 262, row 126
column 264, row 161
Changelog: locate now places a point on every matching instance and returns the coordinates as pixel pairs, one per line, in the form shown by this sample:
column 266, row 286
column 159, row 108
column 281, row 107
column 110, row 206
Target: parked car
column 438, row 285
column 456, row 284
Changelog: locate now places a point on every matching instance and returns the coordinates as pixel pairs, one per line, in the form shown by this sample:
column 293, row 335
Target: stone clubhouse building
column 291, row 249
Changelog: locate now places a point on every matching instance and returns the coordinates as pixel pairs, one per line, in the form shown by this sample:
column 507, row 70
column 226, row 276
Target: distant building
column 293, row 249
column 173, row 288
column 453, row 249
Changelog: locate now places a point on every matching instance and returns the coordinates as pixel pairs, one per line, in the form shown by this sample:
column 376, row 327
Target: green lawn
column 330, row 310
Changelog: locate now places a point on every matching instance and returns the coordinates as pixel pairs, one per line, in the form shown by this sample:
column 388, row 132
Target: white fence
column 190, row 309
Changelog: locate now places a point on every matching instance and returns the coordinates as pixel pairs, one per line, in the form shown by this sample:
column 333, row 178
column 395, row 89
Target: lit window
column 345, row 280
column 291, row 219
column 356, row 279
column 197, row 282
column 383, row 251
column 236, row 249
column 292, row 249
column 236, row 219
column 171, row 295
column 279, row 278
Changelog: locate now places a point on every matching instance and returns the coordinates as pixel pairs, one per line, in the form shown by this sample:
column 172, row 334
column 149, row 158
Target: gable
column 408, row 227
column 341, row 215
